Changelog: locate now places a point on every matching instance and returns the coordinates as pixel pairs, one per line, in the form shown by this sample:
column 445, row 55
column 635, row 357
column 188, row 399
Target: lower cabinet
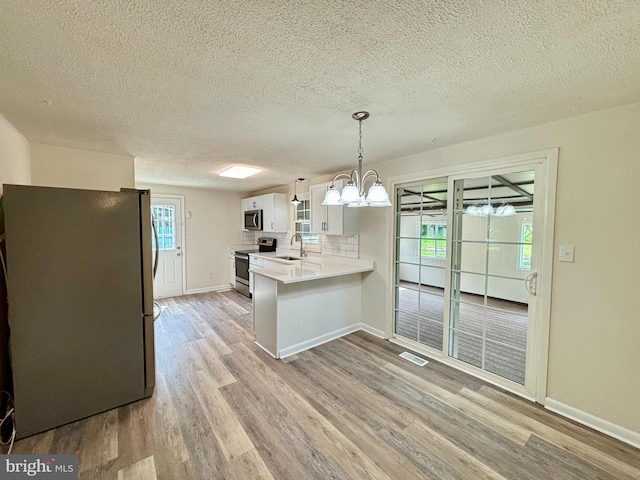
column 289, row 318
column 254, row 262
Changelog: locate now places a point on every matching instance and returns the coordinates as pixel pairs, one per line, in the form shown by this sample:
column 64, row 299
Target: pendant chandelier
column 294, row 200
column 353, row 192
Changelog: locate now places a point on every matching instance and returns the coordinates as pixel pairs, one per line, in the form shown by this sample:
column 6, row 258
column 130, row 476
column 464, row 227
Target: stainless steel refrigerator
column 80, row 288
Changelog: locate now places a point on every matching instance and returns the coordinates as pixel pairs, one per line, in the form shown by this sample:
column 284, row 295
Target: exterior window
column 303, row 223
column 526, row 236
column 433, row 240
column 164, row 217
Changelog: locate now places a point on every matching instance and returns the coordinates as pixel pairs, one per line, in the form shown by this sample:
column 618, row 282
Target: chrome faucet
column 302, row 252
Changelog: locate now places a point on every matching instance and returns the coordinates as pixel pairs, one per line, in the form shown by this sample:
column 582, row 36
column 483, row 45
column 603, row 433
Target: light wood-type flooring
column 349, row 409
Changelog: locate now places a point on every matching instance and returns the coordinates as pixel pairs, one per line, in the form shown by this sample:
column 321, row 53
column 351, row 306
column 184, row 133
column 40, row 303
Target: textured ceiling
column 191, row 87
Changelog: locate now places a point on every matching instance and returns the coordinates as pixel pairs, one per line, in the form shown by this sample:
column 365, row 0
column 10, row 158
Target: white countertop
column 310, row 268
column 233, row 248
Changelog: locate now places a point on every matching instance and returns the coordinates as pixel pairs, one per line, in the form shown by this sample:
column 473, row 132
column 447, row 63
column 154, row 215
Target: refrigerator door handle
column 155, row 236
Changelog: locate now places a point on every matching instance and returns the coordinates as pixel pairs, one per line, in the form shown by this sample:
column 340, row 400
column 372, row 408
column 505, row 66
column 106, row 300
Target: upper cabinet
column 252, row 203
column 334, row 219
column 275, row 211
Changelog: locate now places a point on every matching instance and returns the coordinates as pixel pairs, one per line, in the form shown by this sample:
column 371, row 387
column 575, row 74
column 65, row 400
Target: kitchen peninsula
column 304, row 303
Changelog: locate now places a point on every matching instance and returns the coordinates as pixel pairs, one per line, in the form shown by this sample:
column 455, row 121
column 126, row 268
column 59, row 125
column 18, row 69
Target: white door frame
column 183, row 229
column 545, row 163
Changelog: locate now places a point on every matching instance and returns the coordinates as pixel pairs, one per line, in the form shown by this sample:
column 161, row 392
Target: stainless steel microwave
column 253, row 220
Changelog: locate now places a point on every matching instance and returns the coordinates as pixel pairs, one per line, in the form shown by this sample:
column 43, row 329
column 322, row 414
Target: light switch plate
column 566, row 253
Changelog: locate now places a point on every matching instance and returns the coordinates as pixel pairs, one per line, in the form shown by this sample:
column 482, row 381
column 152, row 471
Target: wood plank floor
column 349, row 409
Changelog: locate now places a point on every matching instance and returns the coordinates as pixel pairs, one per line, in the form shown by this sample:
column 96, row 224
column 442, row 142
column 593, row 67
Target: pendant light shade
column 349, row 194
column 332, row 197
column 377, row 196
column 508, row 210
column 486, row 210
column 504, row 210
column 353, row 193
column 294, row 200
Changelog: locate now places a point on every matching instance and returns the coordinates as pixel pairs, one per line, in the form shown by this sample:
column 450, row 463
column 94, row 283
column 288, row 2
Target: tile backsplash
column 341, row 245
column 331, row 244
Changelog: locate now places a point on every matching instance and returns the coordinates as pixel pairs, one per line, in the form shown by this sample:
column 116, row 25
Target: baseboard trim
column 314, row 342
column 373, row 331
column 216, row 288
column 611, row 429
column 271, row 354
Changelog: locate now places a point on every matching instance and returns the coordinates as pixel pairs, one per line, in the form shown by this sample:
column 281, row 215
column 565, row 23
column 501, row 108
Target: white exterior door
column 167, row 216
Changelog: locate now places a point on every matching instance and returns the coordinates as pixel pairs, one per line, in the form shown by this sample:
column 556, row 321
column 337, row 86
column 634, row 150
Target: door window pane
column 164, row 219
column 421, row 251
column 491, row 242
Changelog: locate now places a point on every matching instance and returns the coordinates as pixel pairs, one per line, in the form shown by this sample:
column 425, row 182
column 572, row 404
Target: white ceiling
column 191, row 87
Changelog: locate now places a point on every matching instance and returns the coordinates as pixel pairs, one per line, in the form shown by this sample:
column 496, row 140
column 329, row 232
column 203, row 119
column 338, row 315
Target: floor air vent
column 414, row 359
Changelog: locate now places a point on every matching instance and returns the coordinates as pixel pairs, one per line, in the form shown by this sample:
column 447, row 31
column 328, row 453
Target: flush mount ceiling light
column 353, row 192
column 239, row 171
column 294, row 200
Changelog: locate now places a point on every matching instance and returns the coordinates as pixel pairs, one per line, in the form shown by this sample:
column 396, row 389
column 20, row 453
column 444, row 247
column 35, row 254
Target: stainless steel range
column 242, row 263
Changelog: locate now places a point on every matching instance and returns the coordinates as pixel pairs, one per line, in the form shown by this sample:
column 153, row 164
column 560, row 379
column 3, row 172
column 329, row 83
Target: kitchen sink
column 287, row 257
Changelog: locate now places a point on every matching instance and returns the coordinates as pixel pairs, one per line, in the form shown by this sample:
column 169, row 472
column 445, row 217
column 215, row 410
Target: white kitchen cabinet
column 252, row 203
column 254, row 262
column 232, row 269
column 275, row 211
column 331, row 219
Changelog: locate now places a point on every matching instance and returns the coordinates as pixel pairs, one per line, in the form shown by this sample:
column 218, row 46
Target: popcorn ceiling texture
column 191, row 87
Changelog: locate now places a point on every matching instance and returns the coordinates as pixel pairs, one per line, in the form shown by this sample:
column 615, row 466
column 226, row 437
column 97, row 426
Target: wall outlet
column 337, row 247
column 210, row 275
column 190, row 235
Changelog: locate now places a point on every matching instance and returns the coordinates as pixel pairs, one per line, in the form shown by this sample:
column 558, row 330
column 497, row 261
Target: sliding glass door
column 421, row 246
column 491, row 254
column 467, row 252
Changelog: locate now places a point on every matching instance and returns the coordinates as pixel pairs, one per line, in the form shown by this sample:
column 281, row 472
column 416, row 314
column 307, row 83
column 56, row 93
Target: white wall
column 53, row 166
column 14, row 156
column 595, row 327
column 216, row 223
